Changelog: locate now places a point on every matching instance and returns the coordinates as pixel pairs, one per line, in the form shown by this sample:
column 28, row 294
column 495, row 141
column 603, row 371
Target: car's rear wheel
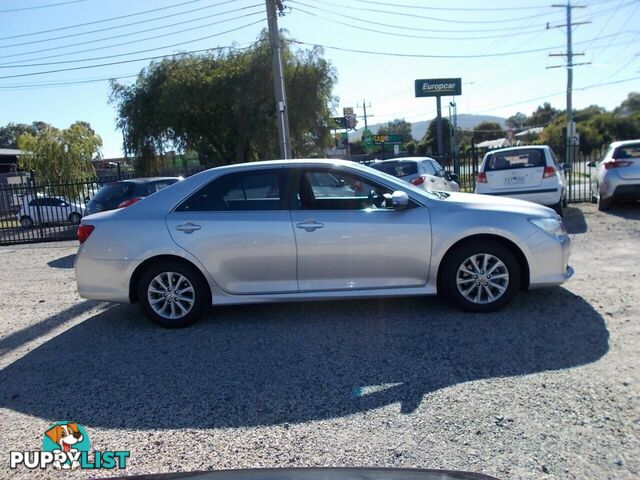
column 559, row 208
column 604, row 204
column 74, row 218
column 26, row 221
column 481, row 277
column 173, row 295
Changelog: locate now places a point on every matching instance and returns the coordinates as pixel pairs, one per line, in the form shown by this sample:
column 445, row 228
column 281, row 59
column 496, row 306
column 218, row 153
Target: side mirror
column 592, row 163
column 564, row 167
column 399, row 200
column 86, row 200
column 453, row 177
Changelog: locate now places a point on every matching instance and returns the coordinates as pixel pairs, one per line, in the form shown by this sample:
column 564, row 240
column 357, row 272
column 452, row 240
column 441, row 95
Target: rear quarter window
column 514, row 159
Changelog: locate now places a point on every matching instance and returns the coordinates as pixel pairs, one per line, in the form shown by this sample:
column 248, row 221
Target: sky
column 56, row 56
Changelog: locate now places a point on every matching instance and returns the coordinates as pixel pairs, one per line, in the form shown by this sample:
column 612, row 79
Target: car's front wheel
column 173, row 295
column 480, row 277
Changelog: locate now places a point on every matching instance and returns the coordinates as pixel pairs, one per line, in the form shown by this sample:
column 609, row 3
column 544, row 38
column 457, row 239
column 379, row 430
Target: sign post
column 438, row 87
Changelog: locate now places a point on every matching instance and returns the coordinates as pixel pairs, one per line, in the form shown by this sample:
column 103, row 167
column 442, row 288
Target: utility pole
column 365, row 116
column 571, row 127
column 278, row 78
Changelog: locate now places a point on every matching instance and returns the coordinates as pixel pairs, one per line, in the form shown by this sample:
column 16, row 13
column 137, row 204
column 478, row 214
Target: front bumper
column 549, row 262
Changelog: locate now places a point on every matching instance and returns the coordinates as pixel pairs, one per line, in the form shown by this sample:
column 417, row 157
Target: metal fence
column 32, row 211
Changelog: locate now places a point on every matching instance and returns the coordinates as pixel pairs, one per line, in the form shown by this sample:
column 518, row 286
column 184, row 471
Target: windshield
column 114, row 191
column 512, row 159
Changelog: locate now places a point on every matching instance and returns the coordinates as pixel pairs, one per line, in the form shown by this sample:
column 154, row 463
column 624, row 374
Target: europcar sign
column 438, row 87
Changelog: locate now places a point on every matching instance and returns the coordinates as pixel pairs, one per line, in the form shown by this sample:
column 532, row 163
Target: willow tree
column 222, row 105
column 58, row 156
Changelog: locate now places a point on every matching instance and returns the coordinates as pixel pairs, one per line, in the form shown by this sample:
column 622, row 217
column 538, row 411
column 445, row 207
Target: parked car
column 422, row 172
column 530, row 173
column 617, row 176
column 49, row 209
column 127, row 192
column 211, row 240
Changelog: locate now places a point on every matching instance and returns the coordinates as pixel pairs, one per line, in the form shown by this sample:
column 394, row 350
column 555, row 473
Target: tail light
column 549, row 172
column 131, row 201
column 417, row 181
column 617, row 164
column 83, row 232
column 481, row 178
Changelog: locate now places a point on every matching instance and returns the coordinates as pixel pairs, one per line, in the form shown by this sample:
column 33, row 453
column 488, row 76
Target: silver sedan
column 314, row 230
column 617, row 176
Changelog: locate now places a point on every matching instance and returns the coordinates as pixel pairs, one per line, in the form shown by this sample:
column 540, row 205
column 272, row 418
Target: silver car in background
column 617, row 176
column 314, row 230
column 423, row 172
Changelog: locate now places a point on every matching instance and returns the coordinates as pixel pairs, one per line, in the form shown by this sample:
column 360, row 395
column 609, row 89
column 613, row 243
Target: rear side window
column 242, row 191
column 113, row 191
column 397, row 169
column 627, row 151
column 428, row 168
column 512, row 159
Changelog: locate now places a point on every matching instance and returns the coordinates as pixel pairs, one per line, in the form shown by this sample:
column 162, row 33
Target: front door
column 349, row 237
column 239, row 228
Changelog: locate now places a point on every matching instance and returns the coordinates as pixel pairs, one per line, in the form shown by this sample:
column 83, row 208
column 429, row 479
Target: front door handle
column 188, row 227
column 310, row 225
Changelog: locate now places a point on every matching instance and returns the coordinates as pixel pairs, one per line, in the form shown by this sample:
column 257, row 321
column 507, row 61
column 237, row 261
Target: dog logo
column 68, row 438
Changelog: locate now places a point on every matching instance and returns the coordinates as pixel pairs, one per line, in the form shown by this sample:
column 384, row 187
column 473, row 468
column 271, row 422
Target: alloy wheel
column 482, row 278
column 171, row 295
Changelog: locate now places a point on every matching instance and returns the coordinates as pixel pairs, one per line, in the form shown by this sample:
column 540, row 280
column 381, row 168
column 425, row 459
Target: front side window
column 335, row 190
column 241, row 191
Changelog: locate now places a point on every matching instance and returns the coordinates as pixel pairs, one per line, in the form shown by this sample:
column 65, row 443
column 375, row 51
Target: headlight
column 553, row 226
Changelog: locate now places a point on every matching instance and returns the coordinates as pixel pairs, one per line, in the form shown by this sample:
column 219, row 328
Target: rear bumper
column 627, row 192
column 106, row 280
column 547, row 196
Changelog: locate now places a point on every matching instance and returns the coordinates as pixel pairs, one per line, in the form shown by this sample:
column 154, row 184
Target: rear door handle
column 310, row 225
column 188, row 227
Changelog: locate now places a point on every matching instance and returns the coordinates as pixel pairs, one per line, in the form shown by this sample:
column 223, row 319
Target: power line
column 31, row 86
column 417, row 55
column 50, row 39
column 138, row 59
column 35, row 7
column 104, row 20
column 20, row 63
column 435, row 19
column 452, row 9
column 395, row 34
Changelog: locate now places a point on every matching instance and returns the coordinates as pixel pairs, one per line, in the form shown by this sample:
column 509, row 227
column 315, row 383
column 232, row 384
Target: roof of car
column 624, row 142
column 404, row 159
column 148, row 179
column 521, row 147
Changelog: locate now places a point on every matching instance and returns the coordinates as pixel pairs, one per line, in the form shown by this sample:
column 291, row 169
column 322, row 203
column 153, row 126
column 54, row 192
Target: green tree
column 399, row 126
column 629, row 106
column 429, row 145
column 516, row 121
column 223, row 107
column 60, row 155
column 543, row 116
column 10, row 133
column 487, row 131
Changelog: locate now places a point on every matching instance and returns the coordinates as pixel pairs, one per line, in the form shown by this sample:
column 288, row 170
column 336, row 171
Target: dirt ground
column 547, row 388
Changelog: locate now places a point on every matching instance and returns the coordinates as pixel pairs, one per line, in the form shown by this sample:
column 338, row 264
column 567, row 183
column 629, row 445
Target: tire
column 594, row 199
column 75, row 218
column 461, row 256
column 559, row 208
column 604, row 205
column 565, row 202
column 26, row 221
column 158, row 274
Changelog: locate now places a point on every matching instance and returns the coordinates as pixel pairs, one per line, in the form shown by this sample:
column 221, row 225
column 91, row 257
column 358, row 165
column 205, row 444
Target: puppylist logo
column 66, row 445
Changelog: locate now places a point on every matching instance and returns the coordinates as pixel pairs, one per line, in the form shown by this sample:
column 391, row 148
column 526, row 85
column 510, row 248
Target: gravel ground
column 547, row 388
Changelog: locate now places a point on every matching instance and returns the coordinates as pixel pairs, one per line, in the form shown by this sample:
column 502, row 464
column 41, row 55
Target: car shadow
column 630, row 211
column 574, row 220
column 63, row 262
column 289, row 363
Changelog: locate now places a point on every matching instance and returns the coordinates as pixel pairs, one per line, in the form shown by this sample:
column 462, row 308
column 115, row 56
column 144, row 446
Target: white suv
column 528, row 173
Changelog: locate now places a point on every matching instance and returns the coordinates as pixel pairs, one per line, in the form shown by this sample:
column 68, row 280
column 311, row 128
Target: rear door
column 349, row 239
column 629, row 156
column 238, row 226
column 519, row 170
